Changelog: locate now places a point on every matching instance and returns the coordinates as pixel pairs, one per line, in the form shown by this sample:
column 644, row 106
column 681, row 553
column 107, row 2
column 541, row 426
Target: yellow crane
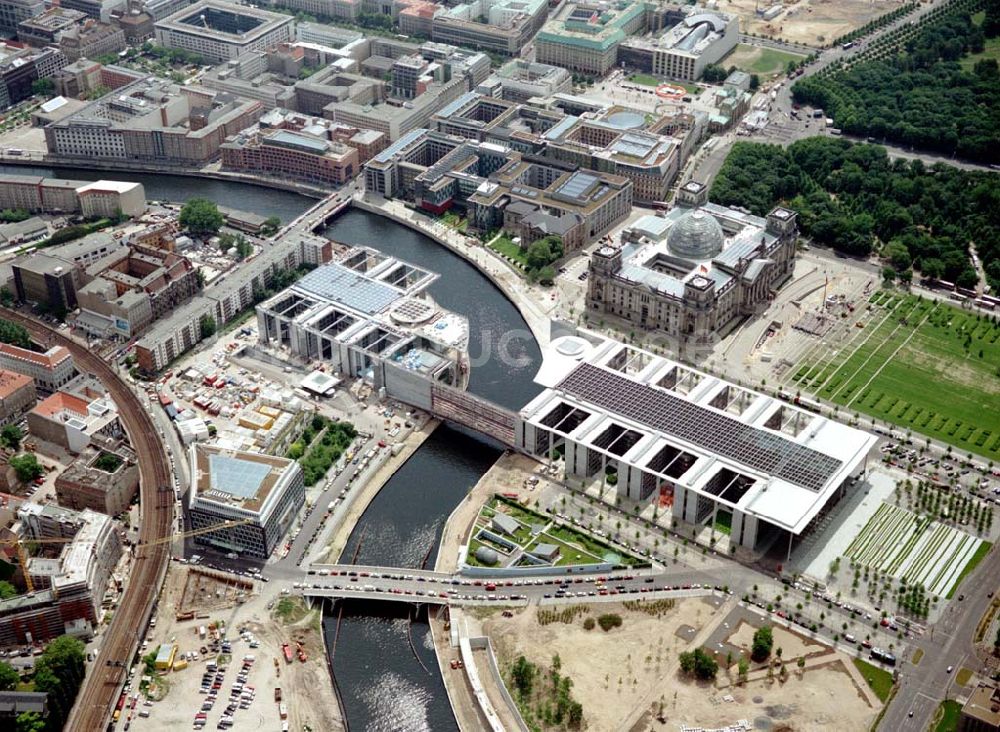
column 22, row 554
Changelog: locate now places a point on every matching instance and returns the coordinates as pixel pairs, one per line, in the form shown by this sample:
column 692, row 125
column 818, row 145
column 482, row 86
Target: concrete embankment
column 501, row 274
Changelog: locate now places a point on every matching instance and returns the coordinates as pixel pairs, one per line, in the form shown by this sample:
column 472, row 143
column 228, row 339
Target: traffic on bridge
column 386, row 583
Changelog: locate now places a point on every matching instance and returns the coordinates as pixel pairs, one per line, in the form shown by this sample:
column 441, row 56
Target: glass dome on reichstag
column 696, row 235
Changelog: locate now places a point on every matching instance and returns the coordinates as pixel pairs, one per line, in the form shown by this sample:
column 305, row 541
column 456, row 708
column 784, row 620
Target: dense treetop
column 854, row 198
column 916, row 93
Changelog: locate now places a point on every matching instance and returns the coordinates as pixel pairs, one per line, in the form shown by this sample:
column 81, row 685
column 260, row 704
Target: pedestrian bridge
column 474, row 412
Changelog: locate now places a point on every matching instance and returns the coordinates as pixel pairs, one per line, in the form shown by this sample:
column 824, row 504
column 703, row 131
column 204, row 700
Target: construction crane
column 22, row 555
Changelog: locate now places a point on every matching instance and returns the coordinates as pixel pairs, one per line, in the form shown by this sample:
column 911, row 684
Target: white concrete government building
column 714, row 452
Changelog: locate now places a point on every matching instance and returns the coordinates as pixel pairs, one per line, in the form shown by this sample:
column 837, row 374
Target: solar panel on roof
column 719, row 433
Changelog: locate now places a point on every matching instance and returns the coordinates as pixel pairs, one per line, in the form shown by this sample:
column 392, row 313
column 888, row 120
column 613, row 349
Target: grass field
column 644, row 79
column 880, row 681
column 509, row 249
column 759, row 60
column 920, row 365
column 947, row 716
column 991, row 50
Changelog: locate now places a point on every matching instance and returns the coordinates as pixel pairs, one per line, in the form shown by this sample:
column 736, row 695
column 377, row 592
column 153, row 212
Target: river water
column 383, row 685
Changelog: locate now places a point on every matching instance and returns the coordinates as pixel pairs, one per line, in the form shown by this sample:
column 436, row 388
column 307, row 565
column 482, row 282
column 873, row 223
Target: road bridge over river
column 416, row 586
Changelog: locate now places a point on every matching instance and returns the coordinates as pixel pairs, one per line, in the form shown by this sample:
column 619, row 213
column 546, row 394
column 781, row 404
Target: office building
column 21, row 67
column 103, row 480
column 45, row 29
column 152, row 120
column 519, row 81
column 111, row 198
column 15, row 12
column 102, row 10
column 262, row 491
column 695, row 272
column 91, row 40
column 715, row 453
column 50, row 369
column 218, row 31
column 584, row 36
column 368, row 316
column 42, row 278
column 498, row 26
column 981, row 711
column 307, row 155
column 17, row 395
column 701, row 38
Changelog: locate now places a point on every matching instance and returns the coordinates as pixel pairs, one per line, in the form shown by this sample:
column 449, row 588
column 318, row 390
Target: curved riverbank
column 303, row 189
column 499, row 272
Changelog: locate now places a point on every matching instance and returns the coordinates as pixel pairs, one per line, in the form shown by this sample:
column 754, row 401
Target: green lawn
column 879, row 680
column 934, row 380
column 649, row 80
column 981, row 552
column 991, row 50
column 759, row 60
column 644, row 79
column 568, row 554
column 509, row 249
column 522, row 514
column 947, row 716
column 592, row 545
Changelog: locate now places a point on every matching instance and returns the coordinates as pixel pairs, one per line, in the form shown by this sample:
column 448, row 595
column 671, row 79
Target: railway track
column 103, row 684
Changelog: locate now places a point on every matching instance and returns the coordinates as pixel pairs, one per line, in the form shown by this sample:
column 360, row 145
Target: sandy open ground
column 306, row 687
column 636, row 660
column 812, row 22
column 637, row 671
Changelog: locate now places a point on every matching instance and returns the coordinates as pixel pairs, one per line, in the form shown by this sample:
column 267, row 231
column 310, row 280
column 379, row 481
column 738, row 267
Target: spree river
column 382, row 684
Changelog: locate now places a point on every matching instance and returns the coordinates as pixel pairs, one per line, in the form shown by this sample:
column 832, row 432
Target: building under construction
column 65, row 588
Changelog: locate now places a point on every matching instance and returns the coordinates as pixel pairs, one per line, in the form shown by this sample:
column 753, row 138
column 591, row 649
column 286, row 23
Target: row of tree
column 920, row 95
column 854, row 198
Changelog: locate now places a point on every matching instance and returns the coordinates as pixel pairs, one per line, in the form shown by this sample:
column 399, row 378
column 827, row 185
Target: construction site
column 808, row 22
column 241, row 653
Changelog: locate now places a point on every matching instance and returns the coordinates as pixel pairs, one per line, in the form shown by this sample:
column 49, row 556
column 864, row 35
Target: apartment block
column 17, row 395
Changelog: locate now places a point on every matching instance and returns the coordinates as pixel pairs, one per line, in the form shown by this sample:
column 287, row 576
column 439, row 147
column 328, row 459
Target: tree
column 763, row 640
column 754, row 82
column 26, row 467
column 59, row 673
column 743, row 668
column 43, row 87
column 206, row 325
column 9, row 678
column 14, row 334
column 698, row 663
column 201, row 216
column 270, row 226
column 10, row 436
column 29, row 722
column 7, row 590
column 713, row 73
column 523, row 674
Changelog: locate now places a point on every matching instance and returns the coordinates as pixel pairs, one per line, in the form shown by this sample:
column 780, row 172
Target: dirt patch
column 792, row 645
column 206, row 591
column 812, row 22
column 636, row 660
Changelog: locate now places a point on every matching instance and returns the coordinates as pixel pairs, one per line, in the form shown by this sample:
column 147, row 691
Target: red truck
column 287, row 650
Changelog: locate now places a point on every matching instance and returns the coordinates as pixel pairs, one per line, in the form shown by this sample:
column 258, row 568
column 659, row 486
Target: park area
column 922, row 365
column 760, row 60
column 907, row 546
column 521, row 537
column 810, row 22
